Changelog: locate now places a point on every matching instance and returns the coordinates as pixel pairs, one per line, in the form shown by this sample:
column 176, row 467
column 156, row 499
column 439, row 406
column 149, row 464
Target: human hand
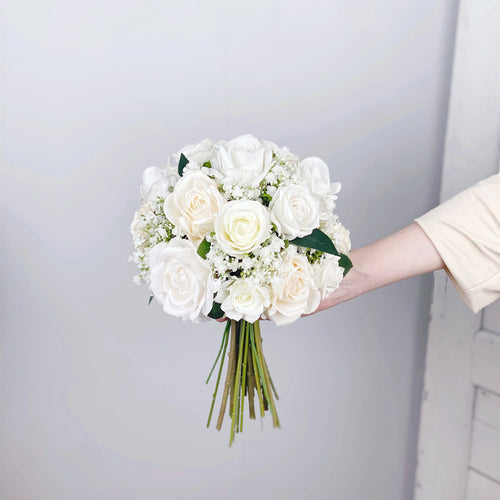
column 403, row 254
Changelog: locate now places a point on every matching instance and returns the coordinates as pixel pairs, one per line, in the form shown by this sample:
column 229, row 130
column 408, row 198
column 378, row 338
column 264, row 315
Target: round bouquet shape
column 242, row 230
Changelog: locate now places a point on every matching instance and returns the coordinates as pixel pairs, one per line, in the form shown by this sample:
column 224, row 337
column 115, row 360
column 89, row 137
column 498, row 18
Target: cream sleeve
column 466, row 232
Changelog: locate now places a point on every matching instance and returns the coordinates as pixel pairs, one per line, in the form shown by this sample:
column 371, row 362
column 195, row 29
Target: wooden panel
column 488, row 408
column 485, row 451
column 482, row 488
column 447, row 399
column 486, row 361
column 491, row 318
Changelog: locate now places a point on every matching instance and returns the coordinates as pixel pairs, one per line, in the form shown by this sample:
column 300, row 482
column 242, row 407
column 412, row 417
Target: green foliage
column 203, row 249
column 313, row 256
column 216, row 311
column 317, row 240
column 266, row 198
column 345, row 262
column 182, row 163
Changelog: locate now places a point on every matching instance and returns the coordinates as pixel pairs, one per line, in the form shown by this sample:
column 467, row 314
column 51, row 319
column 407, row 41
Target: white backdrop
column 103, row 397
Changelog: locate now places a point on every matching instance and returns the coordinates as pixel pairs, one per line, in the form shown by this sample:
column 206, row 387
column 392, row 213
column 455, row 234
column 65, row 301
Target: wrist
column 360, row 276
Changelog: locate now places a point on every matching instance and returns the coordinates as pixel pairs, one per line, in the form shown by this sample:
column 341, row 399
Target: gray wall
column 104, row 397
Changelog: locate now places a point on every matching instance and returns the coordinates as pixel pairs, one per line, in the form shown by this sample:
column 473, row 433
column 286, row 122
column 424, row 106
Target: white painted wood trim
column 448, row 394
column 488, row 408
column 485, row 450
column 481, row 488
column 486, row 361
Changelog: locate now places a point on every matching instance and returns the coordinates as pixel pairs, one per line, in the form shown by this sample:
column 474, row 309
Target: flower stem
column 226, row 331
column 229, row 375
column 264, row 374
column 251, row 381
column 225, row 339
column 244, row 371
column 237, row 387
column 247, row 371
column 256, row 372
column 233, row 371
column 270, row 379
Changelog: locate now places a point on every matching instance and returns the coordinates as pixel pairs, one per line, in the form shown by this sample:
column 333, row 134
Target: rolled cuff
column 466, row 232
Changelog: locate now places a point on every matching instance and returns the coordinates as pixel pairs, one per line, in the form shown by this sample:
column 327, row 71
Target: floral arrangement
column 241, row 229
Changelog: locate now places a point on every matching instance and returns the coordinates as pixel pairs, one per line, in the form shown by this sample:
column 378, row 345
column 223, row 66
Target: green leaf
column 317, row 240
column 203, row 249
column 216, row 311
column 207, row 164
column 151, row 297
column 345, row 262
column 266, row 198
column 182, row 163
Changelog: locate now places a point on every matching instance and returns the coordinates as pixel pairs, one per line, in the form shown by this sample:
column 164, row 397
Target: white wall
column 103, row 397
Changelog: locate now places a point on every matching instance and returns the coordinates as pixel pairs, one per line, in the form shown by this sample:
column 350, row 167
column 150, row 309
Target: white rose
column 241, row 226
column 341, row 238
column 181, row 280
column 199, row 153
column 294, row 211
column 157, row 182
column 314, row 173
column 246, row 300
column 328, row 274
column 194, row 204
column 244, row 160
column 296, row 292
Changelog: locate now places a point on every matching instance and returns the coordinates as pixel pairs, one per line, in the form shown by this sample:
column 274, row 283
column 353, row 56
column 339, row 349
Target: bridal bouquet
column 244, row 230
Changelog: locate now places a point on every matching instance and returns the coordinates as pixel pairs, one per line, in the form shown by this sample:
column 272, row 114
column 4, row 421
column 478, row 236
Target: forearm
column 403, row 254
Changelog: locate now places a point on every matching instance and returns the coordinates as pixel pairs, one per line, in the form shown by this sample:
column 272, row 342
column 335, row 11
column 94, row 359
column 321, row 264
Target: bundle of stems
column 247, row 374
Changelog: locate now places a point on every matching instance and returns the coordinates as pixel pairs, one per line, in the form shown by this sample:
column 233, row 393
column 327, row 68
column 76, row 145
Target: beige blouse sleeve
column 466, row 232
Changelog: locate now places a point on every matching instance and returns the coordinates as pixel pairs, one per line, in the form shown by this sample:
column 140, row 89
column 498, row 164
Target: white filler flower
column 181, row 280
column 241, row 226
column 295, row 211
column 194, row 204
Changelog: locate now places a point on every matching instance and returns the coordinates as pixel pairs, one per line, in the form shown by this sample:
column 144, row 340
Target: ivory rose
column 244, row 160
column 341, row 238
column 314, row 173
column 199, row 153
column 328, row 274
column 296, row 292
column 241, row 226
column 158, row 182
column 295, row 211
column 194, row 204
column 181, row 280
column 246, row 300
